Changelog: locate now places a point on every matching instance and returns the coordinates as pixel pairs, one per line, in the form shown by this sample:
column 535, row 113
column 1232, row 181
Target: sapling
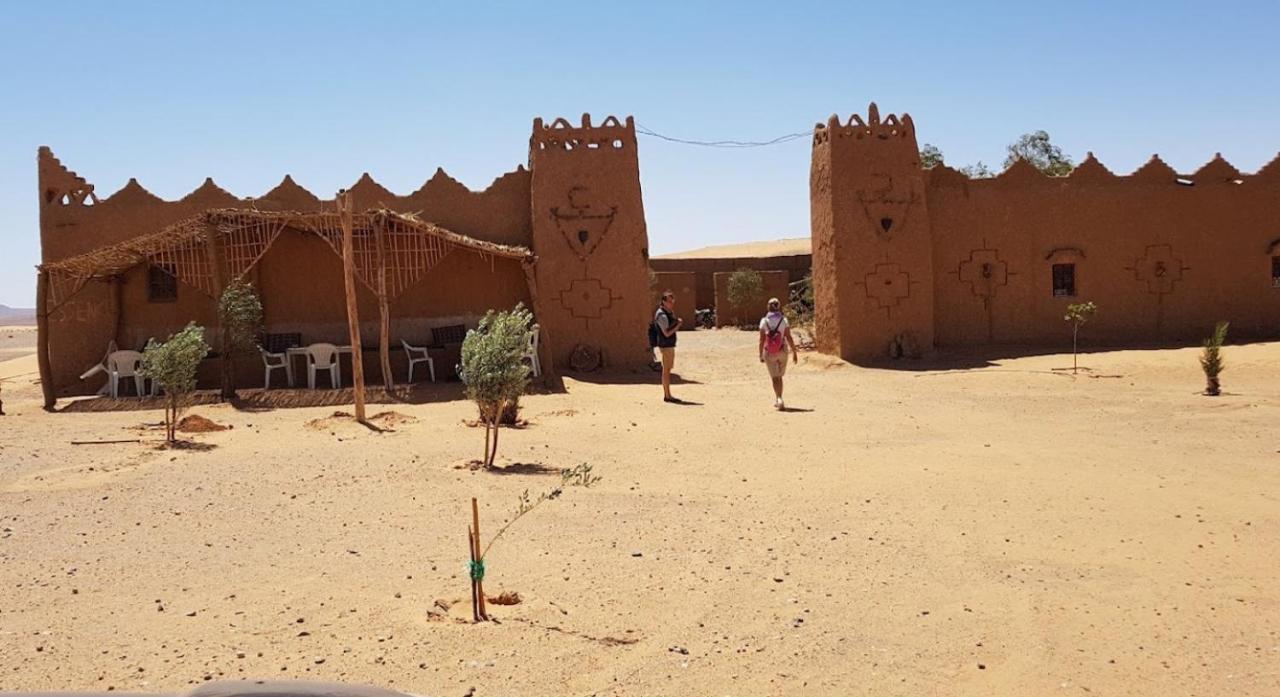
column 240, row 318
column 493, row 368
column 580, row 476
column 173, row 365
column 1077, row 315
column 1211, row 359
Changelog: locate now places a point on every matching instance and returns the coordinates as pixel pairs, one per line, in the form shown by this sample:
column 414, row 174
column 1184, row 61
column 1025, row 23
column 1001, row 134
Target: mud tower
column 872, row 252
column 590, row 238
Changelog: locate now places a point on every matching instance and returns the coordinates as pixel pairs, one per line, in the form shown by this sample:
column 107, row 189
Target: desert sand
column 970, row 525
column 750, row 250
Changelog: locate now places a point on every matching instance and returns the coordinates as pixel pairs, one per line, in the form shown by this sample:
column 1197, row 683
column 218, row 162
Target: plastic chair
column 124, row 364
column 275, row 361
column 323, row 357
column 412, row 353
column 531, row 353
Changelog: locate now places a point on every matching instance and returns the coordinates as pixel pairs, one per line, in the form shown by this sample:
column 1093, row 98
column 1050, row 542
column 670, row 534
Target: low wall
column 748, row 314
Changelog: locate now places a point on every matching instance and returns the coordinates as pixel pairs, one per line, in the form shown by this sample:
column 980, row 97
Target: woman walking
column 775, row 338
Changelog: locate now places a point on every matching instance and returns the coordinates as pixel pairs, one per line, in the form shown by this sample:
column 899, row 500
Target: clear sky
column 246, row 92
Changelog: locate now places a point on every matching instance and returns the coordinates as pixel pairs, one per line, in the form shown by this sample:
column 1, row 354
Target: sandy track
column 1006, row 529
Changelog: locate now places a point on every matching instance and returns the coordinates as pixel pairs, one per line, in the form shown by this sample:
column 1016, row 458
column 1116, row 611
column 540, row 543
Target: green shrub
column 240, row 317
column 173, row 366
column 1211, row 359
column 493, row 368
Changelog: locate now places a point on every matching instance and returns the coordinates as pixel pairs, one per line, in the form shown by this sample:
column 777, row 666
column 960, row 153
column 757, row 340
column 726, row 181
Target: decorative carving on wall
column 888, row 284
column 587, row 298
column 886, row 203
column 584, row 223
column 984, row 272
column 1159, row 268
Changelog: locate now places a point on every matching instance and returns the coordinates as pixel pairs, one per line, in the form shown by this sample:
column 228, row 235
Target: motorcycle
column 705, row 318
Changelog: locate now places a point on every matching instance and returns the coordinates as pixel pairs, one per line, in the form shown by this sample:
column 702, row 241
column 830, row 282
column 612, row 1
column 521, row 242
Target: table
column 296, row 351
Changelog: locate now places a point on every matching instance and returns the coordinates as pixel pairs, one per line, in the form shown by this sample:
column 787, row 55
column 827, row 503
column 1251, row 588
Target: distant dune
column 16, row 316
column 770, row 248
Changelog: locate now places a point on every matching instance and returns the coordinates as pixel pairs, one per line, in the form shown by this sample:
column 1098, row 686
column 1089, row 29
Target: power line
column 725, row 143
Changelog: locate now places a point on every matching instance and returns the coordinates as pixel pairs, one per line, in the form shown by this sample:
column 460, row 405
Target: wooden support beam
column 42, row 340
column 384, row 308
column 218, row 274
column 343, row 200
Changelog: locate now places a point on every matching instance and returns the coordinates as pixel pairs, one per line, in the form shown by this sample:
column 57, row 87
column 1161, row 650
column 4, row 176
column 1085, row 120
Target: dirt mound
column 383, row 420
column 194, row 423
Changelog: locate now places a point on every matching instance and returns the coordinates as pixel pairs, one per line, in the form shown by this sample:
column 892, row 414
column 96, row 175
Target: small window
column 162, row 286
column 1275, row 271
column 1064, row 280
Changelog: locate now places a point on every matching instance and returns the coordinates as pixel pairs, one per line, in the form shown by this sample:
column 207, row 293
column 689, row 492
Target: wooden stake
column 384, row 310
column 471, row 551
column 343, row 200
column 475, row 520
column 42, row 340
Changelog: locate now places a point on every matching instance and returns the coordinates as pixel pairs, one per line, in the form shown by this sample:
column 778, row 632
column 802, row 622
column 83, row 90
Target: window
column 1275, row 271
column 1064, row 280
column 162, row 286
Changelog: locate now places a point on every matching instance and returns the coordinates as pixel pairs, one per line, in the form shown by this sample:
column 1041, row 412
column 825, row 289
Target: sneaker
column 777, row 404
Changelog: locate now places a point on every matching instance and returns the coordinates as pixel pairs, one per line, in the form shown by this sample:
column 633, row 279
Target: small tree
column 240, row 317
column 579, row 476
column 930, row 156
column 800, row 310
column 1035, row 148
column 1211, row 359
column 493, row 368
column 173, row 365
column 745, row 290
column 1077, row 315
column 977, row 171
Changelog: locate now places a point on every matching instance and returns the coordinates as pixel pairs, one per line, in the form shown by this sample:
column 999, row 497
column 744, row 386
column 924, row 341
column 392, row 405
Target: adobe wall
column 963, row 262
column 1163, row 261
column 872, row 256
column 728, row 314
column 73, row 220
column 683, row 284
column 797, row 267
column 590, row 238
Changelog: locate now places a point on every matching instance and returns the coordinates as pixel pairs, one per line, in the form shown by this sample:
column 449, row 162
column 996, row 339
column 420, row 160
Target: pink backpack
column 774, row 339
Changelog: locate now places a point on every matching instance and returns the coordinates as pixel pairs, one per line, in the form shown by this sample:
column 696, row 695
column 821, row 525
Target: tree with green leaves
column 173, row 365
column 240, row 318
column 493, row 367
column 1036, row 149
column 979, row 170
column 1211, row 359
column 1077, row 315
column 745, row 290
column 930, row 156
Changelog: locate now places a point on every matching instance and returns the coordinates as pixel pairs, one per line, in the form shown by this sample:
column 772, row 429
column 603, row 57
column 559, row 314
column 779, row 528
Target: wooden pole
column 353, row 316
column 479, row 554
column 42, row 339
column 471, row 550
column 384, row 310
column 217, row 272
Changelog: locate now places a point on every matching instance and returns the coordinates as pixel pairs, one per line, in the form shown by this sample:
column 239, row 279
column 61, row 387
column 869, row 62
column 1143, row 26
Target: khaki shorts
column 776, row 363
column 668, row 356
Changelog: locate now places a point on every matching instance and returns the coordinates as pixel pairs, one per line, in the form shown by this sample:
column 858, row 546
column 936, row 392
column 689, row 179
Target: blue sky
column 246, row 92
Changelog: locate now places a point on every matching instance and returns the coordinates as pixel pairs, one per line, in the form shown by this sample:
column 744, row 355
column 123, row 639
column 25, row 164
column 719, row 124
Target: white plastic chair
column 412, row 353
column 323, row 357
column 275, row 361
column 531, row 353
column 124, row 364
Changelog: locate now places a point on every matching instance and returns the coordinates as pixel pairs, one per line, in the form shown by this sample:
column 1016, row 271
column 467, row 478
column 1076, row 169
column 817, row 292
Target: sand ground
column 999, row 528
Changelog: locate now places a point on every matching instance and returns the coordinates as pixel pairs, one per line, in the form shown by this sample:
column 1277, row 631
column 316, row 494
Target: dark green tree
column 1036, row 148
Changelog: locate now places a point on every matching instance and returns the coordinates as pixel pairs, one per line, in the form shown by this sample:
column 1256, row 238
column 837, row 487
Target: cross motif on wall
column 587, row 298
column 1159, row 269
